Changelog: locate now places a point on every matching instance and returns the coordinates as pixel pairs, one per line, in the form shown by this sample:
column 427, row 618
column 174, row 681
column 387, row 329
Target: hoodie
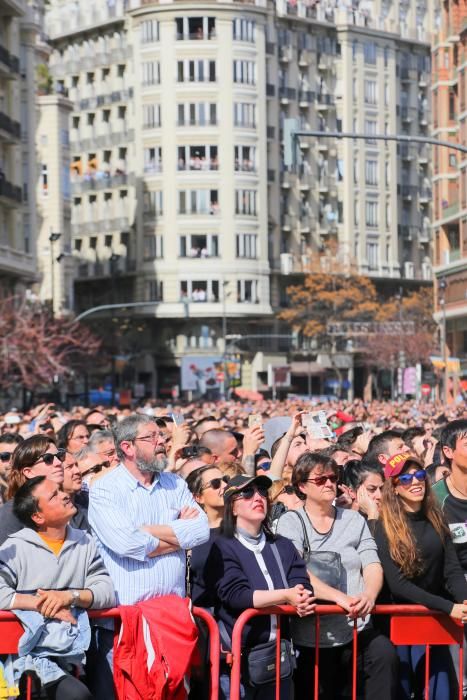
column 27, row 563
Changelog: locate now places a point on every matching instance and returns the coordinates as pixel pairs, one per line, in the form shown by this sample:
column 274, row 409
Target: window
column 369, row 53
column 245, row 158
column 370, row 92
column 356, row 213
column 372, row 254
column 201, row 71
column 153, row 159
column 386, row 94
column 195, row 28
column 153, row 247
column 355, row 170
column 151, row 73
column 452, row 160
column 247, row 245
column 244, row 72
column 198, row 202
column 245, row 202
column 152, row 203
column 388, row 215
column 371, row 172
column 387, row 171
column 370, row 128
column 197, row 158
column 247, row 291
column 371, row 213
column 151, row 116
column 244, row 30
column 199, row 246
column 354, row 50
column 154, row 291
column 197, row 113
column 386, row 56
column 149, row 31
column 199, row 290
column 245, row 114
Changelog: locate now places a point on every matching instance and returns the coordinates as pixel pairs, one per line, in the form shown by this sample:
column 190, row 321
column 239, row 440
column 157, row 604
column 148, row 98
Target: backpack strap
column 306, row 541
column 278, row 559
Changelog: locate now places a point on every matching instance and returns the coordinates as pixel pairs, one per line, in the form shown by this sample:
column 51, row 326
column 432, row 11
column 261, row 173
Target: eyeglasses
column 96, row 468
column 289, row 490
column 216, row 483
column 249, row 491
column 321, row 480
column 153, row 437
column 265, row 466
column 48, row 457
column 406, row 479
column 5, row 456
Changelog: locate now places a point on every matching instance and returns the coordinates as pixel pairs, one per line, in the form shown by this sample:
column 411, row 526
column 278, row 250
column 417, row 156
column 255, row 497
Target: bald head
column 222, row 444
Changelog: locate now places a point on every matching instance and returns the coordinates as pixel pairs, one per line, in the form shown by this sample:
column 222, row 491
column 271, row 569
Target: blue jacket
column 234, row 573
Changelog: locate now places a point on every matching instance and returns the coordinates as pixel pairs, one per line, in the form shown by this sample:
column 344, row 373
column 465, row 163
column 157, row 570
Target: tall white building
column 180, row 195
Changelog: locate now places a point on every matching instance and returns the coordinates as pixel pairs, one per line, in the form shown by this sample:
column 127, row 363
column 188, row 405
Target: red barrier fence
column 432, row 628
column 11, row 631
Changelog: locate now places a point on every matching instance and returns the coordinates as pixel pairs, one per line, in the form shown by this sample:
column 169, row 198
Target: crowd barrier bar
column 433, row 628
column 11, row 630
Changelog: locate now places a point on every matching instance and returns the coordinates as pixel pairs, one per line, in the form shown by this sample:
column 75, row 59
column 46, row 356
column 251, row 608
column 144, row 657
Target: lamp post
column 442, row 285
column 53, row 238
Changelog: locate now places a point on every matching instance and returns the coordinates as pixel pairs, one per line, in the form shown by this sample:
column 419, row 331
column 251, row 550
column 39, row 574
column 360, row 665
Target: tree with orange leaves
column 35, row 347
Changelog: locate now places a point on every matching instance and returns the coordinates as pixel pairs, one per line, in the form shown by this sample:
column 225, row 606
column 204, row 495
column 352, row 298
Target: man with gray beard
column 144, row 518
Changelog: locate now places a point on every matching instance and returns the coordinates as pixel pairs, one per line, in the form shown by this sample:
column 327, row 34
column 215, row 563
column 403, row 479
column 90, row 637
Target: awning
column 305, row 368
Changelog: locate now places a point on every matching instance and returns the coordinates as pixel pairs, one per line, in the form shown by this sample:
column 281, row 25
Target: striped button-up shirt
column 119, row 506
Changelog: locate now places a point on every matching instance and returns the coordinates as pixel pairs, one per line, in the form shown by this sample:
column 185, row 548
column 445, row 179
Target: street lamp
column 53, row 238
column 442, row 286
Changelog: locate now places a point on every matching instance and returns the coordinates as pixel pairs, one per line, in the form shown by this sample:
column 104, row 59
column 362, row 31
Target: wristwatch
column 74, row 598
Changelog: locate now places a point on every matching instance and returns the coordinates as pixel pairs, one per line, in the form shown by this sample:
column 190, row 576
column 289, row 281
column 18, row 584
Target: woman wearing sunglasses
column 420, row 567
column 344, row 568
column 35, row 456
column 207, row 484
column 249, row 567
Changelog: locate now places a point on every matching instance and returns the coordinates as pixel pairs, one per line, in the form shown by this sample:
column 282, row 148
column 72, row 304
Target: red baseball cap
column 395, row 464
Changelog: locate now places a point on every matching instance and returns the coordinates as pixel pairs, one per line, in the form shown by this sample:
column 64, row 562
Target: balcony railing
column 306, row 96
column 286, row 93
column 9, row 125
column 12, row 62
column 101, row 182
column 10, row 192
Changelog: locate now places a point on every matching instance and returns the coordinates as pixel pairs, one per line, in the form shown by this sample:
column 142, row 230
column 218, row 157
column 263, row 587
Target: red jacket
column 155, row 649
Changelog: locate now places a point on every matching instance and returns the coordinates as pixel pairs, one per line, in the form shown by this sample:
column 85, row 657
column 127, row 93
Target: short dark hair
column 347, row 439
column 65, row 433
column 25, row 504
column 194, row 480
column 307, row 463
column 411, row 433
column 356, row 472
column 451, row 433
column 11, row 438
column 379, row 443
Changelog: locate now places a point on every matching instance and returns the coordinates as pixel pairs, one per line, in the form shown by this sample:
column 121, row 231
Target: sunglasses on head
column 48, row 457
column 406, row 479
column 216, row 483
column 96, row 468
column 5, row 456
column 249, row 491
column 321, row 480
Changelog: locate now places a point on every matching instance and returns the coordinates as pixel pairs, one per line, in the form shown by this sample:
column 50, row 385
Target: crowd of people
column 237, row 505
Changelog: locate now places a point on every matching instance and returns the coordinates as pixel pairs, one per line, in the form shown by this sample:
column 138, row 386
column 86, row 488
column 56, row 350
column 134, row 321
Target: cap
column 239, row 482
column 395, row 464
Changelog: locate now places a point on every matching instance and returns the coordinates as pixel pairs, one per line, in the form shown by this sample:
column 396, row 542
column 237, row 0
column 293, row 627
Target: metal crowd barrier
column 432, row 628
column 11, row 631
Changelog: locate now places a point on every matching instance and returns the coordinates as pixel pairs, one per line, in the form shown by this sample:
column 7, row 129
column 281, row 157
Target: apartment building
column 180, row 196
column 449, row 90
column 18, row 33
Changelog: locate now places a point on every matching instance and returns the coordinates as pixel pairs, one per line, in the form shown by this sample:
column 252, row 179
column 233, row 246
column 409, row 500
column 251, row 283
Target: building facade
column 450, row 176
column 18, row 37
column 180, row 197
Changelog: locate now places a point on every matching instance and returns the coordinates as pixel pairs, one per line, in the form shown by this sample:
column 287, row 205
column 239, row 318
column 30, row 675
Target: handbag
column 260, row 666
column 325, row 565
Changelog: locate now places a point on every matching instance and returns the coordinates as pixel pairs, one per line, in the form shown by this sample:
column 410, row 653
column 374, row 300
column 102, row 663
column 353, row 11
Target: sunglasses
column 249, row 491
column 216, row 483
column 265, row 466
column 321, row 480
column 406, row 479
column 48, row 457
column 96, row 468
column 289, row 490
column 5, row 456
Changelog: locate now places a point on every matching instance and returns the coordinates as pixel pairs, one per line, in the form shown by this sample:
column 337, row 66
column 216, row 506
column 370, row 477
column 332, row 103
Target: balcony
column 304, row 58
column 406, row 114
column 407, row 191
column 406, row 151
column 324, row 102
column 286, row 94
column 271, row 175
column 270, row 48
column 306, row 181
column 285, row 54
column 306, row 98
column 425, row 195
column 286, row 180
column 10, row 130
column 286, row 222
column 327, row 183
column 270, row 90
column 270, row 132
column 10, row 195
column 9, row 64
column 101, row 181
column 450, row 212
column 407, row 233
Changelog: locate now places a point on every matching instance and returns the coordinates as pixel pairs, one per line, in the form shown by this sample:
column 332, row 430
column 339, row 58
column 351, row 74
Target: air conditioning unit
column 409, row 271
column 286, row 263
